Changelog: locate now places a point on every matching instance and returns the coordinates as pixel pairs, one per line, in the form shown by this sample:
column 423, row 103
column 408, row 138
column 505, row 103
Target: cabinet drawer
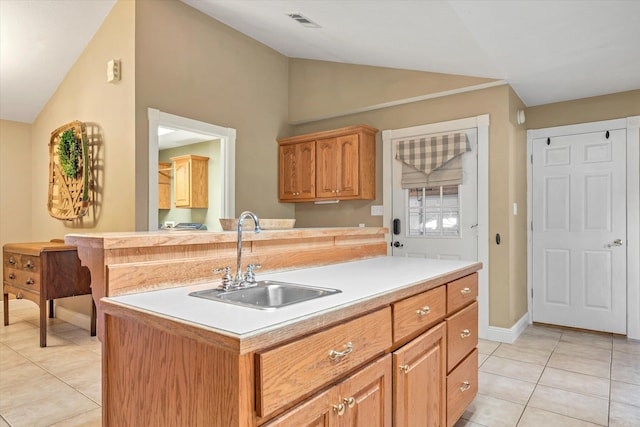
column 462, row 292
column 462, row 387
column 22, row 279
column 462, row 334
column 288, row 372
column 418, row 312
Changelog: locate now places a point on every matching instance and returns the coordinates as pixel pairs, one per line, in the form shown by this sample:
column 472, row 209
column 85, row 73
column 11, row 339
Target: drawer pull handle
column 423, row 311
column 465, row 291
column 19, row 295
column 30, row 281
column 12, row 260
column 465, row 386
column 339, row 409
column 350, row 402
column 29, row 264
column 465, row 333
column 337, row 355
column 404, row 368
column 12, row 276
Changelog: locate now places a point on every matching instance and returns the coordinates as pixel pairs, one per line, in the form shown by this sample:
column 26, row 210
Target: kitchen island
column 396, row 346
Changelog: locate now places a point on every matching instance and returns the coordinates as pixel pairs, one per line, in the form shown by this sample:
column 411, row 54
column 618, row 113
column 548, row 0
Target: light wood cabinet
column 296, row 180
column 419, row 379
column 354, row 372
column 342, row 167
column 190, row 181
column 164, row 185
column 361, row 400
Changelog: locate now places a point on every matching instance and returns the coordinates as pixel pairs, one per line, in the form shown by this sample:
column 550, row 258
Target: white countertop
column 358, row 281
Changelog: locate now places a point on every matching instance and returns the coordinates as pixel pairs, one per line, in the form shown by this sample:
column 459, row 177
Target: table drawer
column 418, row 312
column 462, row 387
column 288, row 372
column 462, row 292
column 22, row 279
column 462, row 334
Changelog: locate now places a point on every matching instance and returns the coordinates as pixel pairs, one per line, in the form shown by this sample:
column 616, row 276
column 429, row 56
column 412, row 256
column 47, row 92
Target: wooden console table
column 41, row 272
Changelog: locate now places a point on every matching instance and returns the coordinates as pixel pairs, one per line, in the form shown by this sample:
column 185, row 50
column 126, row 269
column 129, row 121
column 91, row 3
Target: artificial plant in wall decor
column 69, row 172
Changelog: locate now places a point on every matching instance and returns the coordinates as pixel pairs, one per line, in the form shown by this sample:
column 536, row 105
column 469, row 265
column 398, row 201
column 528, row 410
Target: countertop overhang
column 366, row 285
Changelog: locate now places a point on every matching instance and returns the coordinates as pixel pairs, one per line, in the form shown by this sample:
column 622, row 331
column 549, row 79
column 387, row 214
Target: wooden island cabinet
column 390, row 360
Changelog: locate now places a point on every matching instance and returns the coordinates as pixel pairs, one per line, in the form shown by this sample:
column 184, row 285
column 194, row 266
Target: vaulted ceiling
column 548, row 51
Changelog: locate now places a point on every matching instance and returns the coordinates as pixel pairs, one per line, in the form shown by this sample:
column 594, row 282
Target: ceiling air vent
column 303, row 20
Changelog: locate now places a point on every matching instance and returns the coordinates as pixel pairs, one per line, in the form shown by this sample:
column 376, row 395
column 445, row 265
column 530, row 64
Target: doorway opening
column 205, row 138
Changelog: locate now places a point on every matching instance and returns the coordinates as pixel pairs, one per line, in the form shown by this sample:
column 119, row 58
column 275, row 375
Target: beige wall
column 191, row 65
column 597, row 108
column 507, row 156
column 15, row 182
column 320, row 89
column 108, row 111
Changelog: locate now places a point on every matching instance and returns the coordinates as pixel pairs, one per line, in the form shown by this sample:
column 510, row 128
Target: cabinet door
column 164, row 185
column 182, row 183
column 297, row 171
column 419, row 373
column 367, row 396
column 326, row 177
column 347, row 166
column 315, row 412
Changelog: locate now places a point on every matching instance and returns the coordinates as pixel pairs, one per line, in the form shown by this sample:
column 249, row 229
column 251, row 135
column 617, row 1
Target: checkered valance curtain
column 430, row 161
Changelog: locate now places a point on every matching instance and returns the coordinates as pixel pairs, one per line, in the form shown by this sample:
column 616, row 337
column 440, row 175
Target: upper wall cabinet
column 164, row 185
column 330, row 165
column 190, row 181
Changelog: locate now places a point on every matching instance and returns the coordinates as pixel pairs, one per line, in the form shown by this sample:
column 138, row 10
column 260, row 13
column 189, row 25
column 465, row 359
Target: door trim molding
column 482, row 124
column 632, row 126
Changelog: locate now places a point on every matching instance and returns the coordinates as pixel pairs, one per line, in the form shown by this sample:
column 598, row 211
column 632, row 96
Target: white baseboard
column 509, row 335
column 79, row 319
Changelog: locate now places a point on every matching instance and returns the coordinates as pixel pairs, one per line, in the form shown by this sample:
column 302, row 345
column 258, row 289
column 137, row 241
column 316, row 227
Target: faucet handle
column 251, row 277
column 226, row 278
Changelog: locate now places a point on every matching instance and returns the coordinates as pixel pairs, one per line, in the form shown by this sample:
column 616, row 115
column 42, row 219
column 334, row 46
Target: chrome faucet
column 239, row 278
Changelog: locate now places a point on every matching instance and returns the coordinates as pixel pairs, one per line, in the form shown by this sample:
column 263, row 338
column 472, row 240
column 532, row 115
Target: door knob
column 617, row 242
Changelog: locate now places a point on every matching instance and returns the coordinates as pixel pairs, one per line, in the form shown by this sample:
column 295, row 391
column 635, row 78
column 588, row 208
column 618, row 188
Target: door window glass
column 434, row 211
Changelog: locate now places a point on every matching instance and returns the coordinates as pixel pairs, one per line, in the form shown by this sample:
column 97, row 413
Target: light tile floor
column 548, row 377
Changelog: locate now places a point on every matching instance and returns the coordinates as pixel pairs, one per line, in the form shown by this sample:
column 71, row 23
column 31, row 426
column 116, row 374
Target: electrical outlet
column 377, row 210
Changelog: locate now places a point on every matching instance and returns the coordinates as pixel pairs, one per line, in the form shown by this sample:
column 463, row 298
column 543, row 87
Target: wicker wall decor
column 69, row 172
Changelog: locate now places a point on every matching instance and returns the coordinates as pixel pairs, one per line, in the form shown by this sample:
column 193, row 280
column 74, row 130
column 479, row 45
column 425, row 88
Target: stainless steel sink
column 266, row 294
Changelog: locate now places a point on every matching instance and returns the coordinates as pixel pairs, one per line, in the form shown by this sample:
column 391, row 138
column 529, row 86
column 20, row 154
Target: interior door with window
column 579, row 230
column 437, row 221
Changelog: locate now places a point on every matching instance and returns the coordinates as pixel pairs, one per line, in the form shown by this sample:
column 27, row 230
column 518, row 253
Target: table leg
column 5, row 307
column 43, row 323
column 93, row 317
column 51, row 314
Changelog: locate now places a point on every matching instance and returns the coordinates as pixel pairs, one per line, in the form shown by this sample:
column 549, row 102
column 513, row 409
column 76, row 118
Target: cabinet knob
column 465, row 386
column 12, row 276
column 19, row 295
column 423, row 311
column 337, row 355
column 404, row 368
column 30, row 281
column 465, row 291
column 339, row 409
column 350, row 401
column 29, row 264
column 12, row 260
column 465, row 333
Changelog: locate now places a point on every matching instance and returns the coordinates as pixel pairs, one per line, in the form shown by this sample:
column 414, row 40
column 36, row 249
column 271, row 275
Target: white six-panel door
column 579, row 231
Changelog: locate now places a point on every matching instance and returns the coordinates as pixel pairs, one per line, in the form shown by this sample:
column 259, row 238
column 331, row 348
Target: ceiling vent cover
column 303, row 20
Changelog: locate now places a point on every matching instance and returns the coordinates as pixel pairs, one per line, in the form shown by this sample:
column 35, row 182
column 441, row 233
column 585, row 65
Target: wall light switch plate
column 515, row 209
column 113, row 71
column 377, row 210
